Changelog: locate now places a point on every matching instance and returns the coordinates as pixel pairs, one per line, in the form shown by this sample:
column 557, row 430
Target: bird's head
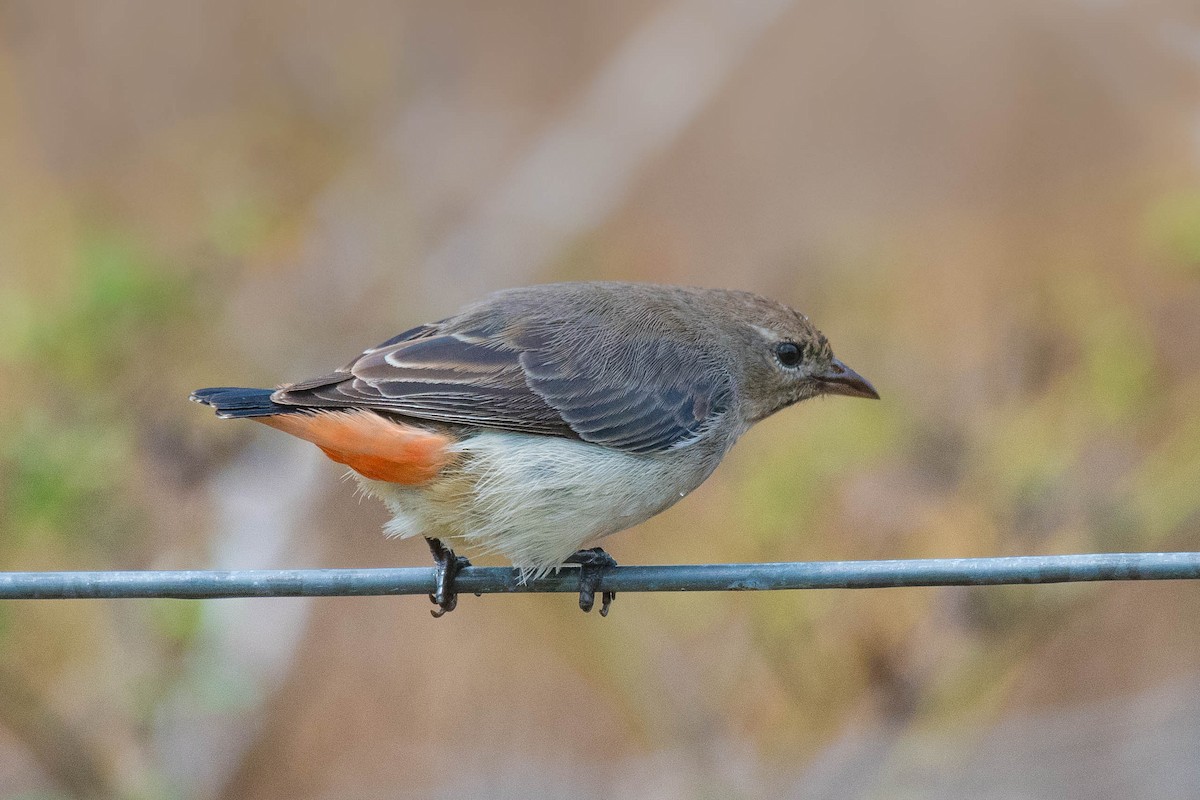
column 784, row 359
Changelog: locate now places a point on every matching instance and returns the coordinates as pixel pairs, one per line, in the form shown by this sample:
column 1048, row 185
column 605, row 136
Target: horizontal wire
column 665, row 578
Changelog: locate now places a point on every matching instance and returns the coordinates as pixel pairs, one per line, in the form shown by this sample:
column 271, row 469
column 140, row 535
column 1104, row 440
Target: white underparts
column 538, row 499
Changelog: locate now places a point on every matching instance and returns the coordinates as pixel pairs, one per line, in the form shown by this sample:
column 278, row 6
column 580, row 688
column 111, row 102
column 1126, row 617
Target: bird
column 539, row 420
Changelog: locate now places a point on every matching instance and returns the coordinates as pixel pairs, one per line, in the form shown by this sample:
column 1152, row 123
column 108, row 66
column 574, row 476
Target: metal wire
column 674, row 578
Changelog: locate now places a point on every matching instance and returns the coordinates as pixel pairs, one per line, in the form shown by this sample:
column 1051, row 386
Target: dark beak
column 840, row 379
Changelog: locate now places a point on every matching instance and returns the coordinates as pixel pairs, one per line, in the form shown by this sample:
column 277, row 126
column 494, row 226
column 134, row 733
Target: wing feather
column 639, row 392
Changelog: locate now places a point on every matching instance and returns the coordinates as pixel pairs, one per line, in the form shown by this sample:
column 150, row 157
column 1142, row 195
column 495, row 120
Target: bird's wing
column 637, row 394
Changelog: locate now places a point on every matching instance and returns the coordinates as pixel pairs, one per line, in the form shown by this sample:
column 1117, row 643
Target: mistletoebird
column 539, row 420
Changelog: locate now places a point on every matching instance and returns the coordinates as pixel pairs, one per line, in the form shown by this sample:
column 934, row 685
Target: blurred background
column 993, row 209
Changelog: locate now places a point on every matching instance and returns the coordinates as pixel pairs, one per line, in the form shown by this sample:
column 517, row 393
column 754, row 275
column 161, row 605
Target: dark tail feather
column 233, row 402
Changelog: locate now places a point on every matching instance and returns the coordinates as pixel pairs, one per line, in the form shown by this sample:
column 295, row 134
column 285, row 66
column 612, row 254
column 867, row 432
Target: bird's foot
column 448, row 565
column 592, row 565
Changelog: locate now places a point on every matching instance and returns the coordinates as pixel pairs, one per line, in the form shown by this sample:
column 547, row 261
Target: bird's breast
column 566, row 477
column 537, row 499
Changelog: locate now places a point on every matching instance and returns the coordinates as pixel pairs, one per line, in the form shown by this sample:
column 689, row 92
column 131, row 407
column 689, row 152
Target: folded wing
column 642, row 393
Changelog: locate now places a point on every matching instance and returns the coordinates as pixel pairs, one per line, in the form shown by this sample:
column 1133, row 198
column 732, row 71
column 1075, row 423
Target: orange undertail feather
column 372, row 445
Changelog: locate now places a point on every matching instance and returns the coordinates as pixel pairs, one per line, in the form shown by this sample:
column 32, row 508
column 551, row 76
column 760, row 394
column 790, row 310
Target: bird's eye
column 789, row 354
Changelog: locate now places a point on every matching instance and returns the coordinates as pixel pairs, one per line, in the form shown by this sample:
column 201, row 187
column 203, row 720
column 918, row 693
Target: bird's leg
column 592, row 565
column 447, row 565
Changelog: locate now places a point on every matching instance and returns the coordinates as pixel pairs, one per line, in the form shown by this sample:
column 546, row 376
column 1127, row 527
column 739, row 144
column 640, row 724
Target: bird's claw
column 592, row 565
column 447, row 566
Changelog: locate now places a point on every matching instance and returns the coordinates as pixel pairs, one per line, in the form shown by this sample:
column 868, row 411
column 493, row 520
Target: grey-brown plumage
column 565, row 412
column 636, row 367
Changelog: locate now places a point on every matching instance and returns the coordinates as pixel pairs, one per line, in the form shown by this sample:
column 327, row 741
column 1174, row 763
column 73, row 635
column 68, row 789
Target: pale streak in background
column 582, row 167
column 570, row 179
column 246, row 645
